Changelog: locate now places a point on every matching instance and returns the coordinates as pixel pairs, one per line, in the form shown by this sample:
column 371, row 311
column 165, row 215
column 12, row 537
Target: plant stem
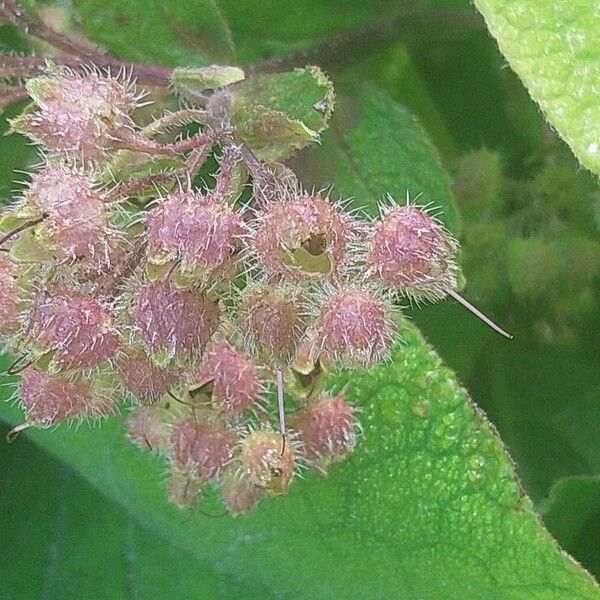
column 332, row 54
column 127, row 188
column 341, row 50
column 32, row 66
column 12, row 94
column 33, row 27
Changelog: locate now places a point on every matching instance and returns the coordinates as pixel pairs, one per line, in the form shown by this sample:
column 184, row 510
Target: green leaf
column 573, row 502
column 392, row 69
column 199, row 32
column 71, row 542
column 278, row 113
column 554, row 433
column 185, row 33
column 270, row 133
column 553, row 47
column 375, row 147
column 428, row 505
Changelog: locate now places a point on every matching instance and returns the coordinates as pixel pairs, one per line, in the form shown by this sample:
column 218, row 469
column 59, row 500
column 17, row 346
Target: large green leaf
column 572, row 512
column 545, row 401
column 188, row 33
column 427, row 507
column 71, row 542
column 553, row 46
column 192, row 32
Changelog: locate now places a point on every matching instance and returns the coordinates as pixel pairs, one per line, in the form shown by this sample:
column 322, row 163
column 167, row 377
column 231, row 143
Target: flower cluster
column 201, row 305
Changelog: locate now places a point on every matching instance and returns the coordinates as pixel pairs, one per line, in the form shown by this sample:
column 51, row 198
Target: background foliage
column 428, row 506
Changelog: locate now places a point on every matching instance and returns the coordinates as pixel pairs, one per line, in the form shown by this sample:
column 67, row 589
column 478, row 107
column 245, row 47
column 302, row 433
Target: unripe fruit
column 239, row 494
column 267, row 461
column 88, row 241
column 76, row 222
column 184, row 489
column 326, row 430
column 143, row 378
column 304, row 236
column 150, row 428
column 355, row 327
column 271, row 320
column 9, row 298
column 77, row 115
column 48, row 399
column 411, row 251
column 200, row 231
column 59, row 191
column 234, row 382
column 171, row 321
column 77, row 326
column 201, row 450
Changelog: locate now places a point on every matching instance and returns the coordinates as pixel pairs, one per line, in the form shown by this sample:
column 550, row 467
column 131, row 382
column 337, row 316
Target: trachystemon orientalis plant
column 205, row 306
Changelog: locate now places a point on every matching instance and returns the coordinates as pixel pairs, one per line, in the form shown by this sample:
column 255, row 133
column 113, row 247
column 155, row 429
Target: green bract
column 276, row 114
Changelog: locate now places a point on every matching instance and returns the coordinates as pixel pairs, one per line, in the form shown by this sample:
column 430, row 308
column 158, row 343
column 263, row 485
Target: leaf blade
column 418, row 539
column 553, row 48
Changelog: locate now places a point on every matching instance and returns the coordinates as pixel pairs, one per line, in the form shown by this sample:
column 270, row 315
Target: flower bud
column 49, row 399
column 412, row 251
column 355, row 327
column 271, row 320
column 326, row 430
column 173, row 322
column 142, row 377
column 234, row 382
column 304, row 236
column 267, row 461
column 200, row 449
column 201, row 231
column 77, row 326
column 77, row 115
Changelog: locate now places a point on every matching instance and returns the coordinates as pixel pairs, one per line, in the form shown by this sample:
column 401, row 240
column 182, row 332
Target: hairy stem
column 128, row 188
column 12, row 94
column 33, row 66
column 33, row 27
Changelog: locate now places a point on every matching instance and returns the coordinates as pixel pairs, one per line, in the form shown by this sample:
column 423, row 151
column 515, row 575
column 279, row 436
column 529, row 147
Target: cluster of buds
column 205, row 312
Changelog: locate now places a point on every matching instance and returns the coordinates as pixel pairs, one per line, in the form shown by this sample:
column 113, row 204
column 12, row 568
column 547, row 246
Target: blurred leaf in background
column 424, row 99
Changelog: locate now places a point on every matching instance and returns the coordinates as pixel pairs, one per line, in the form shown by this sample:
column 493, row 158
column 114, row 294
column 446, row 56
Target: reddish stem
column 33, row 27
column 32, row 66
column 13, row 94
column 127, row 188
